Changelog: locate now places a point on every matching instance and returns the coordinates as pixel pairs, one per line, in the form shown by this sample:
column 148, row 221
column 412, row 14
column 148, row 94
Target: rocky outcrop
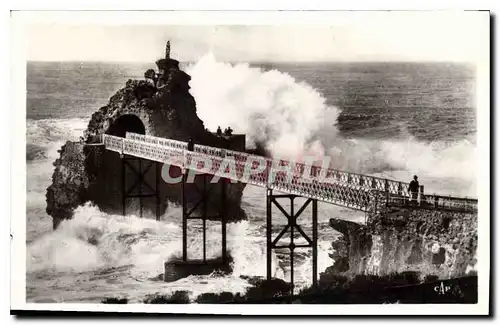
column 70, row 172
column 431, row 242
column 85, row 171
column 351, row 248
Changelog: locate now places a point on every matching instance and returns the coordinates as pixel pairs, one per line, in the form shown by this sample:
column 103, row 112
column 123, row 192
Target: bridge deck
column 355, row 191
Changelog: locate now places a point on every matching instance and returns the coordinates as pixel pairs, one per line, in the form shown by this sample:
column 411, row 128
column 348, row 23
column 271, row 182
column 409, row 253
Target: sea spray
column 49, row 134
column 270, row 107
column 43, row 138
column 291, row 119
column 93, row 239
column 99, row 240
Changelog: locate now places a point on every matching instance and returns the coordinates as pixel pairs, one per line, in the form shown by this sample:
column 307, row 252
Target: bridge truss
column 292, row 179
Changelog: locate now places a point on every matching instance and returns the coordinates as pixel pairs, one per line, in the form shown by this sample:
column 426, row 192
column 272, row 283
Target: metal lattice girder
column 135, row 190
column 325, row 184
column 201, row 205
column 291, row 227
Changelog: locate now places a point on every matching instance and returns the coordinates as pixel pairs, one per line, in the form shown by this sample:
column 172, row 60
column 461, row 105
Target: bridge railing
column 113, row 143
column 434, row 201
column 156, row 140
column 294, row 178
column 327, row 184
column 256, row 170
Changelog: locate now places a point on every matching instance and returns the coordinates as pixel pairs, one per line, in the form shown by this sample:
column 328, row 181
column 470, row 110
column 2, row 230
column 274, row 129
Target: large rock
column 69, row 183
column 350, row 250
column 86, row 171
column 431, row 242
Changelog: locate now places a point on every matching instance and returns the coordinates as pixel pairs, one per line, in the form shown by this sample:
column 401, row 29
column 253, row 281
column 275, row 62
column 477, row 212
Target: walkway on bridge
column 293, row 179
column 351, row 190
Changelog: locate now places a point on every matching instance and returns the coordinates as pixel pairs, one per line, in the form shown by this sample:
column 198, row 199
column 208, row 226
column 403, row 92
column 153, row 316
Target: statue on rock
column 167, row 50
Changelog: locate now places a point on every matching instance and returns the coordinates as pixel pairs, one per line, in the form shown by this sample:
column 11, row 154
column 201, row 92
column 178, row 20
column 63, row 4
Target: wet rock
column 178, row 269
column 264, row 289
column 432, row 242
column 178, row 297
column 221, row 298
column 114, row 300
column 351, row 249
column 65, row 194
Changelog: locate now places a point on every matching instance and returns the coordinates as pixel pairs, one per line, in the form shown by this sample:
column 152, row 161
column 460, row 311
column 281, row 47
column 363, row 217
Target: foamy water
column 96, row 255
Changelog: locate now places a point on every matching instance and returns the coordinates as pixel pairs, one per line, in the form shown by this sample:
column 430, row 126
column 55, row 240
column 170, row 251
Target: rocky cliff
column 432, row 242
column 161, row 106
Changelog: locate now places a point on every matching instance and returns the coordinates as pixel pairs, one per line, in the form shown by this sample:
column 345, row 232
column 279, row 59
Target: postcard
column 179, row 161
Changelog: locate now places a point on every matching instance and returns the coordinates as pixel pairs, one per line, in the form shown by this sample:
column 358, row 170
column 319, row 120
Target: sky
column 370, row 37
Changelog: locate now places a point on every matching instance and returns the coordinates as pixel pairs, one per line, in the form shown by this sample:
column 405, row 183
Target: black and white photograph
column 174, row 162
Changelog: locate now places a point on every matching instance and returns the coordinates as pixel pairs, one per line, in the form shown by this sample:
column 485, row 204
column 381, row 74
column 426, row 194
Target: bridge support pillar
column 291, row 227
column 198, row 210
column 140, row 188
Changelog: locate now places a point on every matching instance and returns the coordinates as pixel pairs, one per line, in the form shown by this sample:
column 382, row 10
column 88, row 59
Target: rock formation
column 432, row 242
column 85, row 171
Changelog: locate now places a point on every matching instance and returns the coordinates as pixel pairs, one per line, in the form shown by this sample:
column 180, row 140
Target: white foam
column 268, row 106
column 291, row 119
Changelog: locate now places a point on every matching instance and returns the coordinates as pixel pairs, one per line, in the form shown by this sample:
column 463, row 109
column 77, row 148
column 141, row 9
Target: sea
column 389, row 119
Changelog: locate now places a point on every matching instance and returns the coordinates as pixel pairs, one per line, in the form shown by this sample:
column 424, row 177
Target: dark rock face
column 178, row 297
column 351, row 249
column 178, row 269
column 87, row 172
column 262, row 291
column 71, row 174
column 431, row 242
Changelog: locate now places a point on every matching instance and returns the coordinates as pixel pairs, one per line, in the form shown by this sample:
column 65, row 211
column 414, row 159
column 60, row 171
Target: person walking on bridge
column 413, row 189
